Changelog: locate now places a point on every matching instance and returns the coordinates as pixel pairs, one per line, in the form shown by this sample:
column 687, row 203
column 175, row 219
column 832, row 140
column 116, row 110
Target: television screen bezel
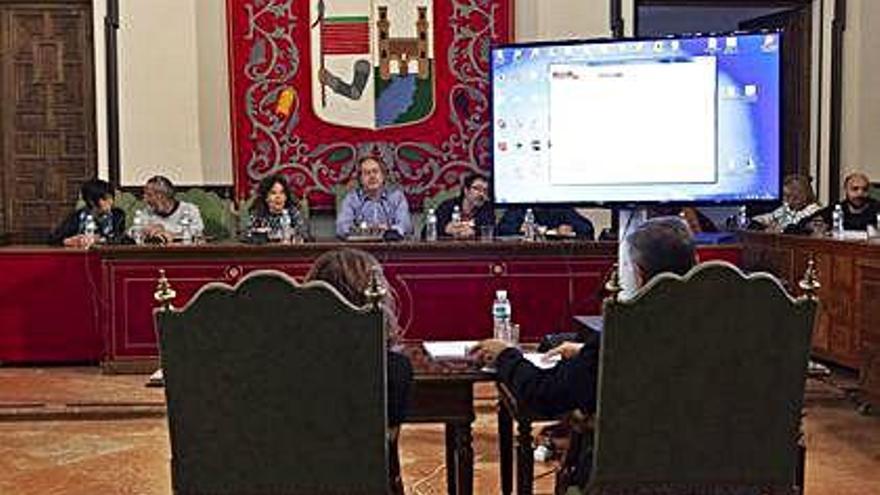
column 638, row 203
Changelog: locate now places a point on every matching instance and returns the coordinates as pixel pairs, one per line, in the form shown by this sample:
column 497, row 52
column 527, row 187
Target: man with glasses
column 474, row 210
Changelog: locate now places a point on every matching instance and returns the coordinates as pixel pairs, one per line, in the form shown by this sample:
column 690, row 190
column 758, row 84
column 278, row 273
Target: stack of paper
column 452, row 349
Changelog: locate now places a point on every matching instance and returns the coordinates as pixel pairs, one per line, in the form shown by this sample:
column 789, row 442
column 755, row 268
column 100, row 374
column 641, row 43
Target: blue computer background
column 747, row 127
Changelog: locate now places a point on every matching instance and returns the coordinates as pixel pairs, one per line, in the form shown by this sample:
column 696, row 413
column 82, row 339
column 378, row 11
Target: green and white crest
column 372, row 62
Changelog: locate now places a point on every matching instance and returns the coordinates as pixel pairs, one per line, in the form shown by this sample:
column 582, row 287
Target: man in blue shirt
column 372, row 205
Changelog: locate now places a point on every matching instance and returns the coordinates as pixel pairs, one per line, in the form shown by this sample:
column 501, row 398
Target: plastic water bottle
column 186, row 228
column 837, row 221
column 501, row 313
column 286, row 226
column 786, row 216
column 431, row 225
column 456, row 214
column 137, row 228
column 742, row 218
column 529, row 227
column 90, row 227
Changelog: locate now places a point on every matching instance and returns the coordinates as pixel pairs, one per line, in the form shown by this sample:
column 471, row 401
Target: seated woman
column 350, row 272
column 798, row 203
column 272, row 203
column 475, row 209
column 97, row 221
column 565, row 221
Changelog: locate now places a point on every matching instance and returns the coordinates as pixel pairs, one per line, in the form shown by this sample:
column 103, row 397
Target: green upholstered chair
column 701, row 384
column 274, row 387
column 418, row 218
column 130, row 204
column 216, row 212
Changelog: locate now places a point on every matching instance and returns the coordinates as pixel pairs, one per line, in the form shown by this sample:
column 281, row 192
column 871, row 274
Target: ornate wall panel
column 316, row 84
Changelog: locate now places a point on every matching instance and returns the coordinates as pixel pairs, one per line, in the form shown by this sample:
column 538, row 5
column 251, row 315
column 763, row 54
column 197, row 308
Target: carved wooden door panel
column 47, row 117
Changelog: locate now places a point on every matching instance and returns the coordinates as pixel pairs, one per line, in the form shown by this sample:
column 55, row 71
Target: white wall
column 860, row 143
column 561, row 19
column 99, row 8
column 173, row 91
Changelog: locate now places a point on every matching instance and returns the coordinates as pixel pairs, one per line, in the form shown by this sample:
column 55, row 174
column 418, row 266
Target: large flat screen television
column 675, row 120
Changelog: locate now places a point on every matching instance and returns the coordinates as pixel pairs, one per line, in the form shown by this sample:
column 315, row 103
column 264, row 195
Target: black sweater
column 569, row 385
column 111, row 227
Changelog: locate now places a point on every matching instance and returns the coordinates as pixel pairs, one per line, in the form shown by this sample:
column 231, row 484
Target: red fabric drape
column 276, row 130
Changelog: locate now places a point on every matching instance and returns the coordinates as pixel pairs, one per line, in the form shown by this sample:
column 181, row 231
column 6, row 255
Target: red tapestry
column 317, row 84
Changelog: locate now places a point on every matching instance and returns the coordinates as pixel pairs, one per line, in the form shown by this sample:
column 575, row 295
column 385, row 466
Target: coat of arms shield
column 372, row 62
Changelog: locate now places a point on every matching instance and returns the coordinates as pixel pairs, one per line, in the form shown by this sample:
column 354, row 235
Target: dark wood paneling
column 868, row 297
column 848, row 271
column 48, row 112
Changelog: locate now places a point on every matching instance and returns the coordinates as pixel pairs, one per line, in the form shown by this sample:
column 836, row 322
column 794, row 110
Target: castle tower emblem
column 372, row 62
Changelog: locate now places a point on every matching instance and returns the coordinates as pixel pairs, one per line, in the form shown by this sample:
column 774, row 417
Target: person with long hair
column 350, row 272
column 97, row 221
column 273, row 199
column 798, row 203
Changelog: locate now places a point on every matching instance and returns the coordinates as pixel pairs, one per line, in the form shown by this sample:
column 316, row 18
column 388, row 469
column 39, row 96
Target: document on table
column 458, row 349
column 451, row 349
column 541, row 360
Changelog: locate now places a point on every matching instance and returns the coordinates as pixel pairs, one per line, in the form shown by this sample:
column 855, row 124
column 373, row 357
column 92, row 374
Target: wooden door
column 797, row 26
column 47, row 117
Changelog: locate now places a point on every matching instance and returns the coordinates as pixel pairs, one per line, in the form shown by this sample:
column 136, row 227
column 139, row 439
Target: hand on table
column 487, row 351
column 565, row 350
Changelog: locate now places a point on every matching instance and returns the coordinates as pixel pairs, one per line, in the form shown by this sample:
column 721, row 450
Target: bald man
column 859, row 208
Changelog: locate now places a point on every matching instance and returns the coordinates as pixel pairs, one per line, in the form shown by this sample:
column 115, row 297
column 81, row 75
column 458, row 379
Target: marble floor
column 75, row 431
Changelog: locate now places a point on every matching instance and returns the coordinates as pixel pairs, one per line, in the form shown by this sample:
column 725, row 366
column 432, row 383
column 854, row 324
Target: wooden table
column 847, row 328
column 443, row 392
column 102, row 298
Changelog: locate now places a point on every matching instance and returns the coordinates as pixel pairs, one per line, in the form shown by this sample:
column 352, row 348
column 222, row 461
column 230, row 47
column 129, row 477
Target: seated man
column 167, row 218
column 474, row 207
column 798, row 203
column 696, row 220
column 859, row 208
column 662, row 244
column 566, row 221
column 372, row 205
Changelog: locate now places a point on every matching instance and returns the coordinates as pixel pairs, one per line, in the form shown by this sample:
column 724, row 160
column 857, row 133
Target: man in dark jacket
column 475, row 210
column 662, row 244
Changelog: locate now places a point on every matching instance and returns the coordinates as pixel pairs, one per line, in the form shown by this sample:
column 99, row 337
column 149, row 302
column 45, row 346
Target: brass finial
column 612, row 282
column 376, row 291
column 810, row 283
column 164, row 294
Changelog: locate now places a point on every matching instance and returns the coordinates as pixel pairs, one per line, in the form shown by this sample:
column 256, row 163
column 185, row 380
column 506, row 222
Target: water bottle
column 286, row 226
column 431, row 225
column 742, row 218
column 186, row 228
column 501, row 313
column 456, row 214
column 837, row 221
column 529, row 227
column 90, row 227
column 137, row 228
